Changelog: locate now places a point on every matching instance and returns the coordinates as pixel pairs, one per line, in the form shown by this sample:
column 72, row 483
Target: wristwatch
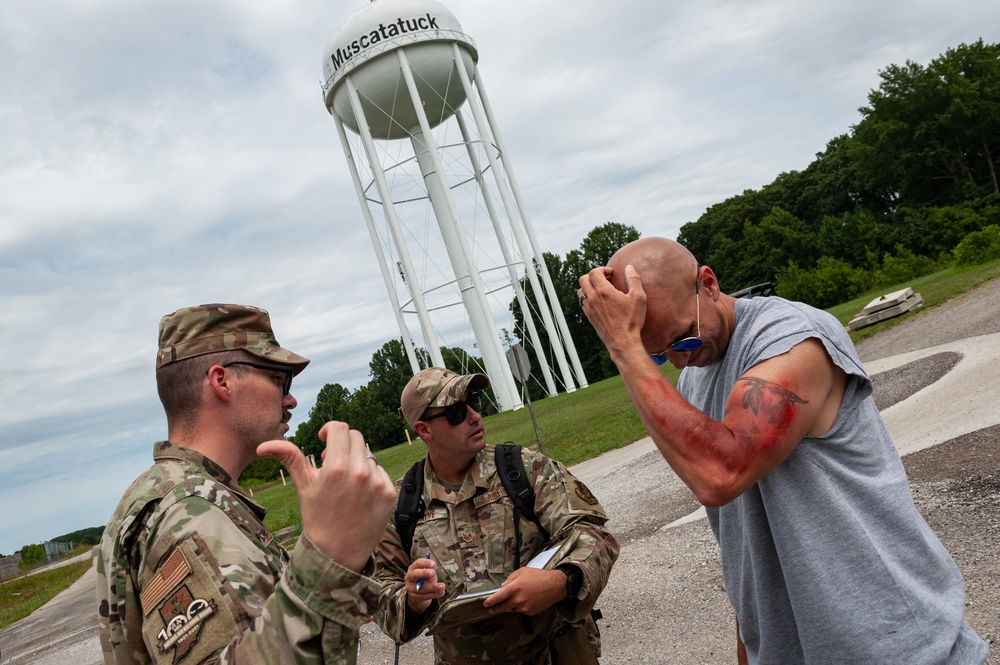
column 574, row 580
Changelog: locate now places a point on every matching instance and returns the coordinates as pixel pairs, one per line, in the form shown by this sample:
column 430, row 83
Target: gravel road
column 665, row 602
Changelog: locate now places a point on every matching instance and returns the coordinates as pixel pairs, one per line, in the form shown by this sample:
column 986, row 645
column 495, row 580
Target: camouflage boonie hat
column 195, row 331
column 435, row 386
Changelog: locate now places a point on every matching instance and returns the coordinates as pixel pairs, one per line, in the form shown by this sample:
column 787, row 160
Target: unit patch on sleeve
column 187, row 618
column 183, row 616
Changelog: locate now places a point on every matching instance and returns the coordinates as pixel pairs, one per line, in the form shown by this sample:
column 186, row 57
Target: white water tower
column 451, row 233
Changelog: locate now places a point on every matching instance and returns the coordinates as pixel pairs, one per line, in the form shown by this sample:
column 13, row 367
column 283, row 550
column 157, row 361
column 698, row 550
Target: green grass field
column 22, row 596
column 574, row 427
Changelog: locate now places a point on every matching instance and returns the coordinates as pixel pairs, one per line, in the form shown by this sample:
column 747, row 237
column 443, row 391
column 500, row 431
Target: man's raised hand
column 347, row 502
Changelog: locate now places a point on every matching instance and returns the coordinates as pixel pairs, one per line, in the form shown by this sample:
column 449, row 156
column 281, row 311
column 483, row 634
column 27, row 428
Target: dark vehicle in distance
column 762, row 289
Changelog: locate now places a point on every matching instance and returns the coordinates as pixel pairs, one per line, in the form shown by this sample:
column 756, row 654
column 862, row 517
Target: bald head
column 662, row 264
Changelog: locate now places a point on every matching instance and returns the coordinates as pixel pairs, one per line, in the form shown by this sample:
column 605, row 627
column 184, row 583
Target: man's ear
column 422, row 430
column 218, row 383
column 709, row 282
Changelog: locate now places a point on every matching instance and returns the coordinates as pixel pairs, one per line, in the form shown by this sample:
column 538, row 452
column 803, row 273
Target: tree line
column 33, row 554
column 911, row 188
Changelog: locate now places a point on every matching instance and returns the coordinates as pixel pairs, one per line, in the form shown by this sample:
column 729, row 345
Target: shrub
column 31, row 555
column 978, row 246
column 260, row 471
column 830, row 283
column 904, row 266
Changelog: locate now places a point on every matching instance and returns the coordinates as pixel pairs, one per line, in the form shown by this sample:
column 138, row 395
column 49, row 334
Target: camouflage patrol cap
column 435, row 386
column 195, row 331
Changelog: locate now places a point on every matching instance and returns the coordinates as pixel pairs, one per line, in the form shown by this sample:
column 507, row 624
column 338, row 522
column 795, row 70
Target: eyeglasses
column 688, row 343
column 455, row 413
column 286, row 387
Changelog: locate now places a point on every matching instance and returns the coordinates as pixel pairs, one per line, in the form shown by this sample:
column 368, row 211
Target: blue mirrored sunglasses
column 688, row 343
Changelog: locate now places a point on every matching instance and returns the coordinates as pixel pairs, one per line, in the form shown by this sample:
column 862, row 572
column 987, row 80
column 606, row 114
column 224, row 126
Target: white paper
column 476, row 594
column 542, row 558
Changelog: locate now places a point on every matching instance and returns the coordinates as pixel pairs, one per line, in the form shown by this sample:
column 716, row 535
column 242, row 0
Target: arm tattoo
column 770, row 398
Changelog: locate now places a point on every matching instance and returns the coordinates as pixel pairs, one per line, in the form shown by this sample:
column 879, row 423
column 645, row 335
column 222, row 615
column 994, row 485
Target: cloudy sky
column 160, row 154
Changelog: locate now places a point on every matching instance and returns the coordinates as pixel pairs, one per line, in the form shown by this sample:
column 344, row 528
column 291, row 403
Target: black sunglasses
column 455, row 413
column 267, row 367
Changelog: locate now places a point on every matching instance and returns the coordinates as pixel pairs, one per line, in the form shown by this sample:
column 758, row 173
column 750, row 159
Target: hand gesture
column 347, row 502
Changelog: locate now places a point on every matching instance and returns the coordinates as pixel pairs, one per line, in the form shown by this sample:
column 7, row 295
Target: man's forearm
column 691, row 442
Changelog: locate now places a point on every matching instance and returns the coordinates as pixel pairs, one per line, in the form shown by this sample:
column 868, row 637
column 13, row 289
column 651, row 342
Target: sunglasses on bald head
column 455, row 413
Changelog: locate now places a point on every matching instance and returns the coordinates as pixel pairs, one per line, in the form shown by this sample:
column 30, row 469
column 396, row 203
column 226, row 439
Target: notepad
column 538, row 561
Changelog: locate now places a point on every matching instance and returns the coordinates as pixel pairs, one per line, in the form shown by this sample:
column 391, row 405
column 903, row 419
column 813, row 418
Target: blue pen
column 420, row 582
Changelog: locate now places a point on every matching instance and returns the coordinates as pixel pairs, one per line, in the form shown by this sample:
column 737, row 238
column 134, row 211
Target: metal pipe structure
column 401, row 78
column 535, row 246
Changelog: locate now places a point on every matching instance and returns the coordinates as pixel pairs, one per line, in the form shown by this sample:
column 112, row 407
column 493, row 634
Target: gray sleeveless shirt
column 826, row 559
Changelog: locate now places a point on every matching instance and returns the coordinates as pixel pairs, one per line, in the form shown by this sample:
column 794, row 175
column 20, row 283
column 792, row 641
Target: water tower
column 451, row 233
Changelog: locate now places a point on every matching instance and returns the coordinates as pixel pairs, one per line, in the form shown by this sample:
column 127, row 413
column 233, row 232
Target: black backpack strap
column 516, row 482
column 410, row 504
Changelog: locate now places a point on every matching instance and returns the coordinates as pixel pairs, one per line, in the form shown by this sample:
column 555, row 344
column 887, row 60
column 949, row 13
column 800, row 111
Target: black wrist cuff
column 574, row 580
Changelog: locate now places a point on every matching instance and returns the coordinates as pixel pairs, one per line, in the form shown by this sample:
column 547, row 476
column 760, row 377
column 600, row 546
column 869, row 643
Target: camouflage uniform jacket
column 471, row 537
column 188, row 574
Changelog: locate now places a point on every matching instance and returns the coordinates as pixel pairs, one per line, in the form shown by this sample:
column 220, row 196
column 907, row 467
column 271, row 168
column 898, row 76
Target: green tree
column 918, row 172
column 31, row 556
column 780, row 237
column 331, row 404
column 715, row 238
column 856, row 237
column 89, row 536
column 461, row 361
column 381, row 425
column 560, row 281
column 929, row 133
column 603, row 241
column 261, row 471
column 902, row 266
column 596, row 250
column 390, row 370
column 829, row 186
column 832, row 281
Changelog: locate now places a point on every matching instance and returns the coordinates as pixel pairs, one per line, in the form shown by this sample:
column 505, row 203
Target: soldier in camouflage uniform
column 187, row 572
column 468, row 531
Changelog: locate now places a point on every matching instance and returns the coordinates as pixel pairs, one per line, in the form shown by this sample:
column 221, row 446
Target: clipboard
column 467, row 607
